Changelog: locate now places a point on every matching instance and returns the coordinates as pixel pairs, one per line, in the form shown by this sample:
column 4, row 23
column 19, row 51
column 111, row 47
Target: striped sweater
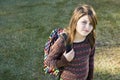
column 80, row 68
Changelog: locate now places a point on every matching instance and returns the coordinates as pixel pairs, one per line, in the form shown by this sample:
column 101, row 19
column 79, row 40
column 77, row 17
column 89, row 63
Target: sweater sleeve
column 56, row 57
column 62, row 62
column 91, row 65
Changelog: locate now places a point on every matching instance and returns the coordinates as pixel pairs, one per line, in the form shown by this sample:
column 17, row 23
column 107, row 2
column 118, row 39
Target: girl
column 78, row 63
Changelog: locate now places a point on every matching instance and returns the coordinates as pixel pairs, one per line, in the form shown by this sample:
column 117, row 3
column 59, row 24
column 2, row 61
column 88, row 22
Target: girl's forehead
column 85, row 17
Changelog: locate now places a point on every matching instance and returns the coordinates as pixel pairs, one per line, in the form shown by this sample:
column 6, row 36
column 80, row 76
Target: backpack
column 51, row 40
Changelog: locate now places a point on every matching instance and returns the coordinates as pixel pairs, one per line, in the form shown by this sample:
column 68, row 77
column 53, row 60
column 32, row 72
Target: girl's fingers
column 70, row 55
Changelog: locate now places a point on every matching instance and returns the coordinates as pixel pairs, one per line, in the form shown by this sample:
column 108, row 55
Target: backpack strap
column 64, row 36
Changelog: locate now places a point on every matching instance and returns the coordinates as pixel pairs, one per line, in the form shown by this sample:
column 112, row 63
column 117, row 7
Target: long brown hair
column 80, row 11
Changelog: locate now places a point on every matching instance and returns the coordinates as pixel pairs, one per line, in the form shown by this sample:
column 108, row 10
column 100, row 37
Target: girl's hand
column 70, row 55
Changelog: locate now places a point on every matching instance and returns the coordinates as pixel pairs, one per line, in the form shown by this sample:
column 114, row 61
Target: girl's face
column 84, row 27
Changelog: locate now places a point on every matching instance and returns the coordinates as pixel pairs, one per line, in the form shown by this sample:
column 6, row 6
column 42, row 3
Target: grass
column 107, row 63
column 26, row 24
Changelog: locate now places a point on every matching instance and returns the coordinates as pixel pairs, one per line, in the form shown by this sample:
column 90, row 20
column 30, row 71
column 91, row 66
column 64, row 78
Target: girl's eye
column 84, row 22
column 90, row 23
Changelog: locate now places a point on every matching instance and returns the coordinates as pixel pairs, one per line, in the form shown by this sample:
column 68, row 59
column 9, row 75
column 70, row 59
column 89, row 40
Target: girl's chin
column 84, row 34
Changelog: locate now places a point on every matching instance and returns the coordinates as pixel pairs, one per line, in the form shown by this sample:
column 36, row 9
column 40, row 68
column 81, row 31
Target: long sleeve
column 56, row 58
column 91, row 65
column 62, row 62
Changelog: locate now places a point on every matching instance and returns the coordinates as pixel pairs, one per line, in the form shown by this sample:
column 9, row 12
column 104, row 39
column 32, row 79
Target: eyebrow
column 86, row 20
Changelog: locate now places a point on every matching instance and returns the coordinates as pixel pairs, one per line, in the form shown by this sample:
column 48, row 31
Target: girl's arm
column 56, row 57
column 66, row 57
column 91, row 65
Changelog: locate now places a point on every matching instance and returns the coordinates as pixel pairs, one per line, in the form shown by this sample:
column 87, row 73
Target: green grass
column 26, row 24
column 107, row 63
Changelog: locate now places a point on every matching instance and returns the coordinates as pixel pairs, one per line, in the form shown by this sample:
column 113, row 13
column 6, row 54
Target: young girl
column 78, row 63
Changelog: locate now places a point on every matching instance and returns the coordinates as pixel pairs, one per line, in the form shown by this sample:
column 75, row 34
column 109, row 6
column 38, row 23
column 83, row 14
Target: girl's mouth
column 86, row 30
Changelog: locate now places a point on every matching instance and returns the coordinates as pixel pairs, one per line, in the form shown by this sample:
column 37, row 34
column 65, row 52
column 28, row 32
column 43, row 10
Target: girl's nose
column 87, row 26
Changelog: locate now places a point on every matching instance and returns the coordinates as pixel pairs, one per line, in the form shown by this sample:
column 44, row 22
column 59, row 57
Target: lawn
column 26, row 24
